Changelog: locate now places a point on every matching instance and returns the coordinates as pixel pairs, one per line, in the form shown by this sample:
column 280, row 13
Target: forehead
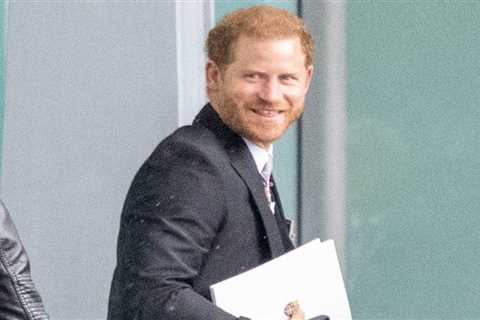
column 251, row 50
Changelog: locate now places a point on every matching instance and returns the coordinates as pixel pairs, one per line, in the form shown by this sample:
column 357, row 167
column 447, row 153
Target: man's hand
column 294, row 312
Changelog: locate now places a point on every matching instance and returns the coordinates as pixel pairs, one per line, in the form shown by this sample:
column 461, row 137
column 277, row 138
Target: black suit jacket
column 195, row 214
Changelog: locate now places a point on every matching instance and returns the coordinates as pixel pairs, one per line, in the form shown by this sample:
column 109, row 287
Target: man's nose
column 271, row 91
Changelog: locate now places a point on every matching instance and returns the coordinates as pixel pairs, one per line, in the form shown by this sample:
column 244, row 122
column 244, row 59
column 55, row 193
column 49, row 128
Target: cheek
column 297, row 94
column 296, row 101
column 244, row 92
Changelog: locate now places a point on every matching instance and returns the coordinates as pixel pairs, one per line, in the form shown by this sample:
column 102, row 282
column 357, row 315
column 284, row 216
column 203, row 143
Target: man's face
column 263, row 90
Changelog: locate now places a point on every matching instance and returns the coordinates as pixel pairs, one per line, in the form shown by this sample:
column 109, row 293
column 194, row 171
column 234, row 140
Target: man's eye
column 252, row 76
column 288, row 77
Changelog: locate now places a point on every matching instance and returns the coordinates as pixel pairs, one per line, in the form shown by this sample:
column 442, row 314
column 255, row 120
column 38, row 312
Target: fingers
column 293, row 311
column 291, row 308
column 299, row 315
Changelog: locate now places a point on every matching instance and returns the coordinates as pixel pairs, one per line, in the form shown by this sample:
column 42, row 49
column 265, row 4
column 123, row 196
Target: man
column 199, row 211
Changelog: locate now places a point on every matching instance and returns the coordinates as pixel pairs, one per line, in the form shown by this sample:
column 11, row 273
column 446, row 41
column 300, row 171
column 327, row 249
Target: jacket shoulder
column 189, row 141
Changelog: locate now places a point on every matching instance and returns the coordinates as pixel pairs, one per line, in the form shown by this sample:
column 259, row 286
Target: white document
column 310, row 274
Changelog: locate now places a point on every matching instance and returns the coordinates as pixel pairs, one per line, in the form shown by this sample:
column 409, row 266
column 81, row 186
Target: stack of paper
column 310, row 274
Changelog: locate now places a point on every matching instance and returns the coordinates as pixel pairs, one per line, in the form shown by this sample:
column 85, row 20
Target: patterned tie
column 267, row 183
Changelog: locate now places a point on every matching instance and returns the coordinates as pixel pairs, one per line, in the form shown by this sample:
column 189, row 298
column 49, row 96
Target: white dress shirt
column 261, row 156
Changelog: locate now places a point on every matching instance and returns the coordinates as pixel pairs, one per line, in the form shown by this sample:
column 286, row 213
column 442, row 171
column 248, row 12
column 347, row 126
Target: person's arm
column 172, row 214
column 19, row 299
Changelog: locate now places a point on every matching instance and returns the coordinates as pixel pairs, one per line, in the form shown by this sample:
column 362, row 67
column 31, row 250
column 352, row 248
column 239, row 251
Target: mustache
column 267, row 106
column 256, row 105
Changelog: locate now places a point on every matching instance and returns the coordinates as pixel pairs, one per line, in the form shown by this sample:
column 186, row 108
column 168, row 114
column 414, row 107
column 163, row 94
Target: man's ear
column 309, row 77
column 213, row 75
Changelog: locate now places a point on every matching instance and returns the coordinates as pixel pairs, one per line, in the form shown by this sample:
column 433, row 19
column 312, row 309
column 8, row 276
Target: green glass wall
column 286, row 149
column 413, row 158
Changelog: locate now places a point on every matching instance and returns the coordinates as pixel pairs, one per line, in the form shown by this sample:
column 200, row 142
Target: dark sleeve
column 172, row 214
column 19, row 300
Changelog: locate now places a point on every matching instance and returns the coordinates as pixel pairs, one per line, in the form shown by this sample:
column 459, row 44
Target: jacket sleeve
column 19, row 300
column 173, row 211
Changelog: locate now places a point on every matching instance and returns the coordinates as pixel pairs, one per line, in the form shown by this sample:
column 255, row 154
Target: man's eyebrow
column 249, row 70
column 295, row 75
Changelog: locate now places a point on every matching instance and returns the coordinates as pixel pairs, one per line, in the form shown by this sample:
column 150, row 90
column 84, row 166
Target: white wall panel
column 91, row 89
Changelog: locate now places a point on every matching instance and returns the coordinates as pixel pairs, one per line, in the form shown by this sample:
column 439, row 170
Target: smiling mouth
column 268, row 113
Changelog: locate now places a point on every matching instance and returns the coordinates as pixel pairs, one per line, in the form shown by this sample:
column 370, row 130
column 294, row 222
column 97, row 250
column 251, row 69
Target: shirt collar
column 260, row 155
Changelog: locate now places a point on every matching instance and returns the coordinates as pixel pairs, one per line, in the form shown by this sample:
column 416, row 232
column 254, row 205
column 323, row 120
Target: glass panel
column 413, row 159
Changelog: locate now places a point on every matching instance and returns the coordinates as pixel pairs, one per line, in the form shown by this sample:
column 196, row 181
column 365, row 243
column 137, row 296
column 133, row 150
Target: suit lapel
column 283, row 225
column 244, row 164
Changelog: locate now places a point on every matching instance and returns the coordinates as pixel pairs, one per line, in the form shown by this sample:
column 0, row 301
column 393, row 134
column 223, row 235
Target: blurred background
column 384, row 161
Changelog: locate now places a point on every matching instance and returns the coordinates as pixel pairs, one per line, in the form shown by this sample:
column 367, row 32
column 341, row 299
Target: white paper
column 310, row 274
